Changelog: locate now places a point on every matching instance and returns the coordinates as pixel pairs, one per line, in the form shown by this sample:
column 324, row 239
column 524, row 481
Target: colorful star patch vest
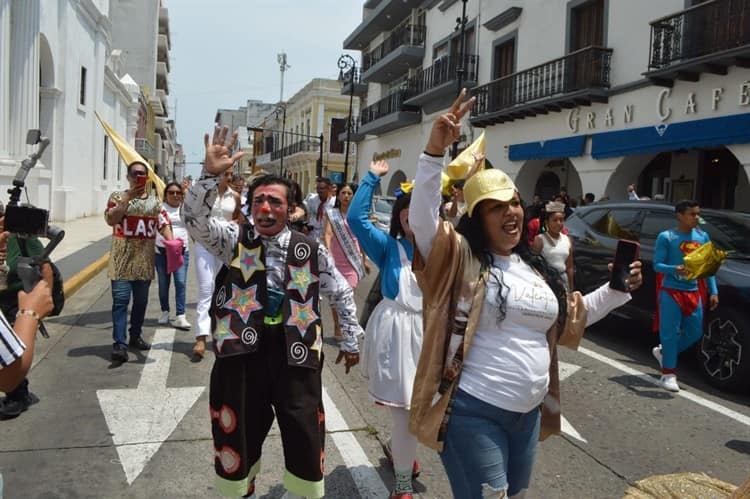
column 238, row 312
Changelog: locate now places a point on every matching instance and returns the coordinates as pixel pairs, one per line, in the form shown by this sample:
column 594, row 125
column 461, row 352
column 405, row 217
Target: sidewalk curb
column 78, row 280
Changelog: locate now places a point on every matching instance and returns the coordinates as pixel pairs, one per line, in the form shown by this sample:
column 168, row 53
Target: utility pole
column 460, row 24
column 283, row 66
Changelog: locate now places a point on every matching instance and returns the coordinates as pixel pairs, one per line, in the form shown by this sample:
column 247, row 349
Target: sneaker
column 181, row 323
column 404, row 495
column 250, row 491
column 12, row 407
column 119, row 353
column 164, row 318
column 669, row 382
column 656, row 352
column 139, row 343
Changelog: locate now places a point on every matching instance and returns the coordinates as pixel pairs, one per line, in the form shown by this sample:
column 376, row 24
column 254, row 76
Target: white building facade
column 591, row 95
column 56, row 71
column 141, row 32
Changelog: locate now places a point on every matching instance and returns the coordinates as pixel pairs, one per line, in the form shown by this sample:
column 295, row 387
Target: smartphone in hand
column 141, row 180
column 626, row 253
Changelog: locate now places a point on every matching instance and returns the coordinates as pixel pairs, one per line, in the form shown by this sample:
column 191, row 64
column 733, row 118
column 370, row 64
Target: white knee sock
column 403, row 449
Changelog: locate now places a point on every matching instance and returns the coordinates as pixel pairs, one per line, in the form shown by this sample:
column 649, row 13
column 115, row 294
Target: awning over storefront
column 568, row 147
column 710, row 132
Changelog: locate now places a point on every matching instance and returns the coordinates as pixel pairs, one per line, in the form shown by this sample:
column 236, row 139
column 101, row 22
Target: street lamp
column 460, row 24
column 319, row 164
column 281, row 107
column 347, row 63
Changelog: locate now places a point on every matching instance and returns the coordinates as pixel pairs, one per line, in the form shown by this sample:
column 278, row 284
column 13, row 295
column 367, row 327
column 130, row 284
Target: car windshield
column 383, row 206
column 728, row 231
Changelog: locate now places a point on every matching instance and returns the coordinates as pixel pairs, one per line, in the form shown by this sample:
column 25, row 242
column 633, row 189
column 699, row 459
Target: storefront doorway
column 718, row 174
column 547, row 186
column 653, row 181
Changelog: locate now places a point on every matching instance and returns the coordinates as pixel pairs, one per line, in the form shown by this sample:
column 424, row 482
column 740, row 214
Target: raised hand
column 478, row 158
column 379, row 168
column 447, row 128
column 217, row 152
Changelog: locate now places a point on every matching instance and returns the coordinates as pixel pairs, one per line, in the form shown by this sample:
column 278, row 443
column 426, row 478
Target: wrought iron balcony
column 403, row 49
column 144, row 148
column 576, row 79
column 433, row 88
column 705, row 38
column 360, row 88
column 387, row 114
column 296, row 147
column 355, row 135
column 383, row 15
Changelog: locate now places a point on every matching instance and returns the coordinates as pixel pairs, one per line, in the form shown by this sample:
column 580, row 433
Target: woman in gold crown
column 554, row 245
column 487, row 386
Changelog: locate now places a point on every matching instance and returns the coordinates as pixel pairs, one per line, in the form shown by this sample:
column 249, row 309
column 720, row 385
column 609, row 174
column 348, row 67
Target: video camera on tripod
column 26, row 221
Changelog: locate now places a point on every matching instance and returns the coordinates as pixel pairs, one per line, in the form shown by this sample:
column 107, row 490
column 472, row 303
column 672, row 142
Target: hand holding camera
column 27, row 221
column 39, row 300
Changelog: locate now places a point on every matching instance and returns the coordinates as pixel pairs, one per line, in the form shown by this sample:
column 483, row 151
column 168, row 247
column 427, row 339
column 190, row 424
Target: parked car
column 380, row 215
column 724, row 351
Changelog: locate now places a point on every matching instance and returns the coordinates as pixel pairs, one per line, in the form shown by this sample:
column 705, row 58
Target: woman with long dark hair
column 173, row 196
column 487, row 386
column 343, row 245
column 393, row 336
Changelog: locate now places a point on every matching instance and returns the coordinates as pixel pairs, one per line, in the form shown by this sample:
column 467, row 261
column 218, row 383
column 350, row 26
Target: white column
column 24, row 86
column 4, row 78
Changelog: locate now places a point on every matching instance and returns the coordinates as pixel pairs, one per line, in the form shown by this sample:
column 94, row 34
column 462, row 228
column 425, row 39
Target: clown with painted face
column 265, row 321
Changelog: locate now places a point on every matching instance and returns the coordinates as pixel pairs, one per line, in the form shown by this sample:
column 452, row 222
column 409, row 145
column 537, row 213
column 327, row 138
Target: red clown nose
column 265, row 208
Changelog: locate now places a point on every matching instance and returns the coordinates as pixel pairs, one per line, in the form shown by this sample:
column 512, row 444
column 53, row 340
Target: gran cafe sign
column 665, row 106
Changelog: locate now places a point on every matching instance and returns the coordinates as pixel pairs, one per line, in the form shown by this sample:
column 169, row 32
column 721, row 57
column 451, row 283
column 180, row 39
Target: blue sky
column 224, row 53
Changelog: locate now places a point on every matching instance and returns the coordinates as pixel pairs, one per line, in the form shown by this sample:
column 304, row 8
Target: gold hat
column 488, row 184
column 445, row 184
column 460, row 166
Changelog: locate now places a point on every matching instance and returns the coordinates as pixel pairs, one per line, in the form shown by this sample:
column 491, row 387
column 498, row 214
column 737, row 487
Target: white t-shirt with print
column 508, row 364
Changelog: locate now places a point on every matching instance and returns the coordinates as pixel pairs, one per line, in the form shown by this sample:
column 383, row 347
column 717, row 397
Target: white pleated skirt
column 393, row 342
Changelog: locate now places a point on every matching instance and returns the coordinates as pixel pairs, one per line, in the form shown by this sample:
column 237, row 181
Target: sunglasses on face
column 137, row 173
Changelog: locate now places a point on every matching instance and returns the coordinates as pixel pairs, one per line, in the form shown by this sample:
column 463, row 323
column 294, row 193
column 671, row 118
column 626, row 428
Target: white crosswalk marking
column 708, row 404
column 363, row 473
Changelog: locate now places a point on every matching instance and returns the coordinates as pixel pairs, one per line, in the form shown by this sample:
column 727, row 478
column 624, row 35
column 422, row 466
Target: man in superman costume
column 265, row 321
column 680, row 300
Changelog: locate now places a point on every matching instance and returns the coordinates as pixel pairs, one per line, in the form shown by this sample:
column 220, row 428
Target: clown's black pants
column 246, row 391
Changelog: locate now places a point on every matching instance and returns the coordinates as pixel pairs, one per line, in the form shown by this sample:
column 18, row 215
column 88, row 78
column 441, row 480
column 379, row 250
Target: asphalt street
column 142, row 429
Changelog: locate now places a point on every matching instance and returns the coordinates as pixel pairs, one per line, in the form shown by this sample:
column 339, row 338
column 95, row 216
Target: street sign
column 336, row 177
